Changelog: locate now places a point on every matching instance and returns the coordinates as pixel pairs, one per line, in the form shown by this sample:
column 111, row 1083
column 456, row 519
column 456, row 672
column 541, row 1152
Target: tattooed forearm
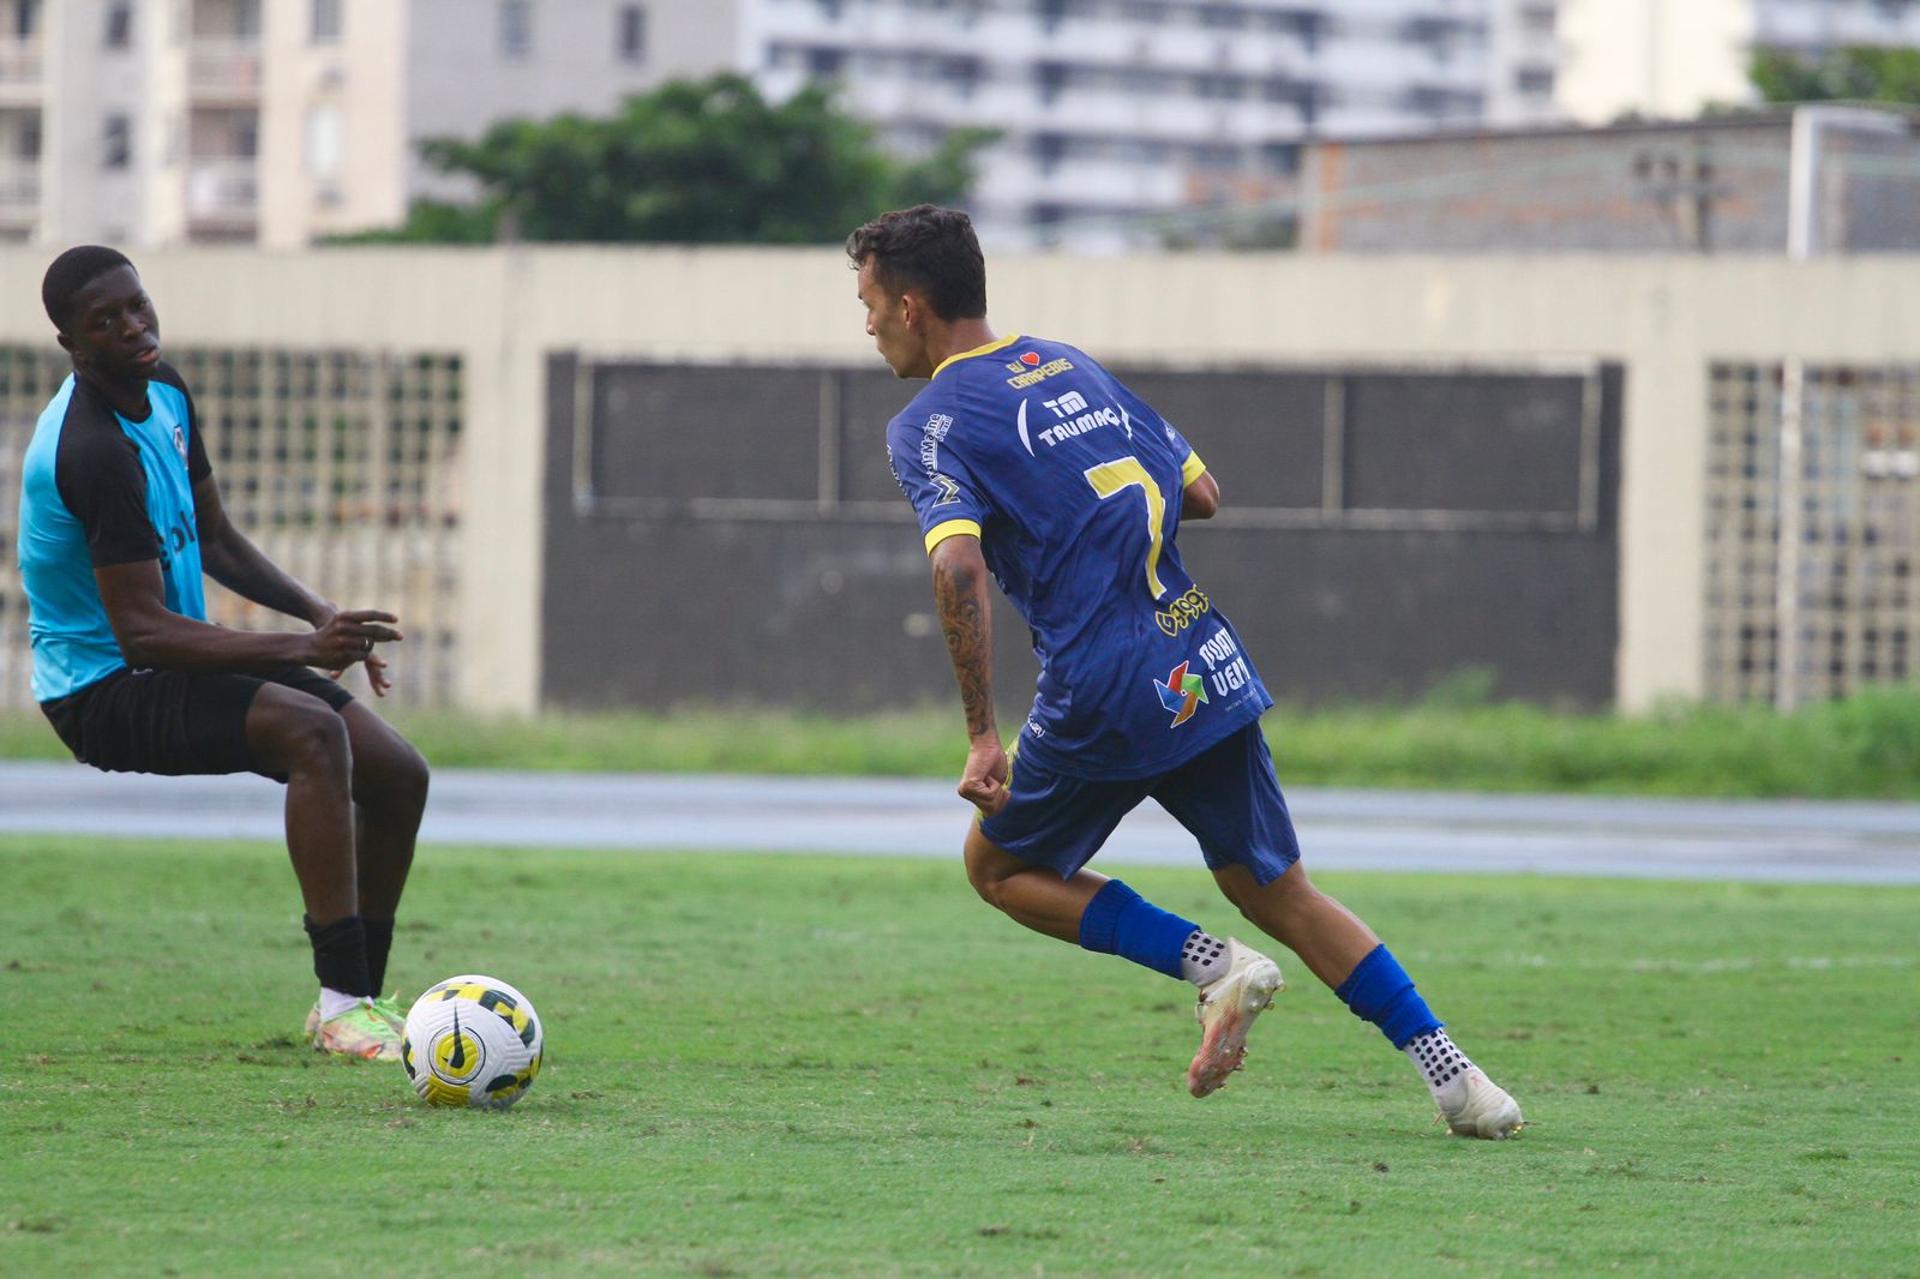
column 960, row 592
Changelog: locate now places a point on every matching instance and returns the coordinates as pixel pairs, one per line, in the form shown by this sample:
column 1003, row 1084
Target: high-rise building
column 1112, row 110
column 280, row 121
column 274, row 121
column 1672, row 58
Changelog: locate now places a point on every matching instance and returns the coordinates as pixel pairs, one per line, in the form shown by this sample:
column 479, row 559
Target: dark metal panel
column 1463, row 442
column 826, row 603
column 868, row 402
column 676, row 432
column 1262, row 434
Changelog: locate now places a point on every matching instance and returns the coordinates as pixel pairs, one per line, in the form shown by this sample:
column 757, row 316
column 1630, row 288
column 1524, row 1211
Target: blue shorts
column 1227, row 797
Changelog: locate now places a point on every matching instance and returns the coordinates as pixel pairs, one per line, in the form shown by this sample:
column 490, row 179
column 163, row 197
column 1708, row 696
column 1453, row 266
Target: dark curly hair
column 71, row 272
column 930, row 250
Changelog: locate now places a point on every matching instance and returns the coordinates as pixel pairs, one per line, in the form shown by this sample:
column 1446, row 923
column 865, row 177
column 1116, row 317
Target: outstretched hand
column 984, row 783
column 349, row 636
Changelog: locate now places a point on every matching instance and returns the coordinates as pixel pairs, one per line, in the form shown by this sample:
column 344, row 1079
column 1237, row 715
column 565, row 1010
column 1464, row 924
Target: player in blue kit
column 119, row 511
column 1028, row 462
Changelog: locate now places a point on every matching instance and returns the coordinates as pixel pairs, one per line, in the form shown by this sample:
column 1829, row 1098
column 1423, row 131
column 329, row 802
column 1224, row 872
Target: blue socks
column 1379, row 991
column 1119, row 921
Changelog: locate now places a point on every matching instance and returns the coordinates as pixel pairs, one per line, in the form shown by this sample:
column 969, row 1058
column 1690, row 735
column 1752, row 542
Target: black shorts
column 173, row 722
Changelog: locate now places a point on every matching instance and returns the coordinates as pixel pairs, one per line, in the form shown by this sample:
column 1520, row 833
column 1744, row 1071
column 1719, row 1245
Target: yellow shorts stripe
column 951, row 528
column 1191, row 469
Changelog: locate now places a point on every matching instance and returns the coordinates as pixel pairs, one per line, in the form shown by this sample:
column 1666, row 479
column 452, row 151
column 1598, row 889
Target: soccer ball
column 472, row 1041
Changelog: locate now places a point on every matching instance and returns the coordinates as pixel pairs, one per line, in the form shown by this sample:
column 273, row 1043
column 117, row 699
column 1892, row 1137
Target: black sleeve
column 99, row 477
column 199, row 467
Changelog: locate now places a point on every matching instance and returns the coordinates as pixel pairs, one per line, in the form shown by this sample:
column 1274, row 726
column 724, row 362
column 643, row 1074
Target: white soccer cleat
column 1483, row 1109
column 1226, row 1011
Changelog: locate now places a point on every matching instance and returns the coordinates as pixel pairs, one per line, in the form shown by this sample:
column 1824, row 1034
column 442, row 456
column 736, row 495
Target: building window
column 246, row 19
column 26, row 18
column 329, row 21
column 120, row 24
column 516, row 28
column 633, row 33
column 1281, row 158
column 1535, row 81
column 116, row 151
column 324, row 142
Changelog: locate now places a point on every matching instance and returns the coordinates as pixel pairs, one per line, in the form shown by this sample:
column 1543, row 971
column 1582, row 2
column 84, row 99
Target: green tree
column 1854, row 73
column 707, row 161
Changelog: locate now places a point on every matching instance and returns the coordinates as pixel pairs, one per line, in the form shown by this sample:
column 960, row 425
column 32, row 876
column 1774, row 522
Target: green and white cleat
column 1226, row 1011
column 392, row 1011
column 1482, row 1109
column 358, row 1032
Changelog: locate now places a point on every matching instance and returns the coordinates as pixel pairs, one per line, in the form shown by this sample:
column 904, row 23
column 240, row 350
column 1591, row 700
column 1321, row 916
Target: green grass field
column 824, row 1067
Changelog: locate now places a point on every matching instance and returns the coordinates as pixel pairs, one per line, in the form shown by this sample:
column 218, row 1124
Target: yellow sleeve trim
column 951, row 528
column 999, row 344
column 1191, row 469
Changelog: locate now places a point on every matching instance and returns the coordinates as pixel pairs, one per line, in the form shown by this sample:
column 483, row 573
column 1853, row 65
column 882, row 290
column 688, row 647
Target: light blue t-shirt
column 99, row 489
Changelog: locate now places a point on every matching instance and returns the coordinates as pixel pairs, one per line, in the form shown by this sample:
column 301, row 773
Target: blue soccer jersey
column 1073, row 486
column 99, row 489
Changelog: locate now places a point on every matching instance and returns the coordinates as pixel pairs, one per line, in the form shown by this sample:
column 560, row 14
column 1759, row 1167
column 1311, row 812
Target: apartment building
column 281, row 121
column 276, row 122
column 1671, row 58
column 1110, row 111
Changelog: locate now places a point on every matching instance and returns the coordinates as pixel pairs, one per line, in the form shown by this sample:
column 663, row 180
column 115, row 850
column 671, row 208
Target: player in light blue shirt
column 1029, row 463
column 120, row 515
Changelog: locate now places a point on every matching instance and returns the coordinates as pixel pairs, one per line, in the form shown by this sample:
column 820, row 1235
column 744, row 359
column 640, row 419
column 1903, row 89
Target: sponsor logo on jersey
column 1183, row 612
column 1181, row 695
column 931, row 437
column 1227, row 668
column 1025, row 374
column 1074, row 417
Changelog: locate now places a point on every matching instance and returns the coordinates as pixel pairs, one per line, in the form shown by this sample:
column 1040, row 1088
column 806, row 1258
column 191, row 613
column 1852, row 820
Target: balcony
column 223, row 193
column 224, row 71
column 20, row 69
column 19, row 192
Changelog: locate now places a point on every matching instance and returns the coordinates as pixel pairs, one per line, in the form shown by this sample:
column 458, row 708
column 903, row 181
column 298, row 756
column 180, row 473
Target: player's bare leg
column 1345, row 954
column 298, row 735
column 1236, row 982
column 1033, row 896
column 1330, row 939
column 389, row 796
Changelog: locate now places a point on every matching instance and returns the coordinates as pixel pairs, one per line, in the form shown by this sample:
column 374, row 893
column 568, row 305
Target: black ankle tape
column 340, row 955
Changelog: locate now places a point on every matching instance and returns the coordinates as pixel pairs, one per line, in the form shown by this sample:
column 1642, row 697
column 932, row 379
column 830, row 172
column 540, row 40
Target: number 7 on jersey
column 1119, row 475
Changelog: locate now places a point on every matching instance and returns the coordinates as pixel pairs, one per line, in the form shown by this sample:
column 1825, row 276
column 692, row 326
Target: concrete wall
column 505, row 310
column 1717, row 188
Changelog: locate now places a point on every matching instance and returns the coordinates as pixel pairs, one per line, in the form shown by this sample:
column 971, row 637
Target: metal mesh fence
column 1852, row 618
column 341, row 465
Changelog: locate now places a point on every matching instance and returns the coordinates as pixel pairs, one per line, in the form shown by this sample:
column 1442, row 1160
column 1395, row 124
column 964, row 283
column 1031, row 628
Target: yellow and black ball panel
column 457, row 1054
column 439, row 1092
